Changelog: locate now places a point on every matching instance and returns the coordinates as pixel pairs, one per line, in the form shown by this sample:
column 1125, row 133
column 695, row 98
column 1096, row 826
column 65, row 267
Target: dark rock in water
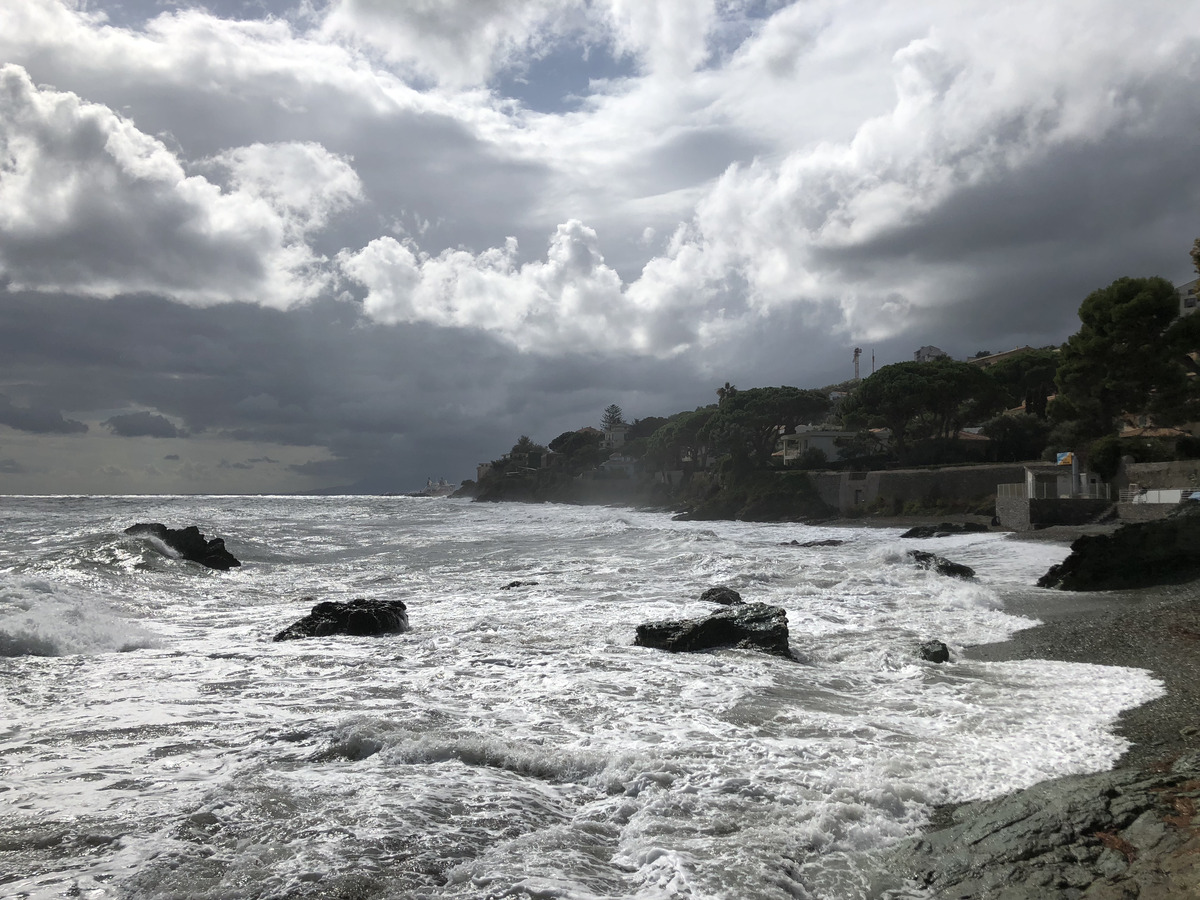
column 829, row 542
column 934, row 651
column 188, row 543
column 1136, row 555
column 355, row 617
column 941, row 565
column 517, row 584
column 726, row 596
column 943, row 530
column 749, row 626
column 1121, row 834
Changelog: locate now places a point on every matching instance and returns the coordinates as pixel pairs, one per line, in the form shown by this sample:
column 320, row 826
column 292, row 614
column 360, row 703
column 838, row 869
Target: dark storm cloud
column 392, row 404
column 903, row 174
column 142, row 424
column 1025, row 246
column 37, row 419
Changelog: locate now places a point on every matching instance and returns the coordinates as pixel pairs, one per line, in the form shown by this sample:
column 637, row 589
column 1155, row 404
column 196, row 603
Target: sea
column 516, row 743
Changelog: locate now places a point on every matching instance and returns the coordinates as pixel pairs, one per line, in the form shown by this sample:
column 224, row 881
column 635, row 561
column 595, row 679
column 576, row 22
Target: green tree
column 1017, row 437
column 643, row 428
column 579, row 449
column 927, row 399
column 1196, row 255
column 612, row 417
column 525, row 444
column 747, row 424
column 1027, row 377
column 1130, row 356
column 679, row 438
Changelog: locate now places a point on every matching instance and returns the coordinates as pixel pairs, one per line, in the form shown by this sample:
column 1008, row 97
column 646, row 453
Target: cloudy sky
column 286, row 245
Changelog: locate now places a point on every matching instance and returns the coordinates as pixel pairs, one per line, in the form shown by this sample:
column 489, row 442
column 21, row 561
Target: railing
column 1164, row 495
column 1043, row 491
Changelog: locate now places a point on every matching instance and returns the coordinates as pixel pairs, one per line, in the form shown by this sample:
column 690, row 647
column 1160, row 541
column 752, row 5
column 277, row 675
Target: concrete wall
column 1014, row 513
column 846, row 491
column 1177, row 474
column 1021, row 514
column 1144, row 512
column 1065, row 512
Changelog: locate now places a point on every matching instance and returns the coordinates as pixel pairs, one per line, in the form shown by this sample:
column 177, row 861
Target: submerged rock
column 188, row 543
column 359, row 617
column 726, row 596
column 1136, row 555
column 750, row 626
column 517, row 584
column 934, row 652
column 828, row 542
column 943, row 529
column 926, row 560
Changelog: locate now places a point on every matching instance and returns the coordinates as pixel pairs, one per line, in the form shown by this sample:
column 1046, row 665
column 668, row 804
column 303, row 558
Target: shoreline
column 1157, row 631
column 1132, row 831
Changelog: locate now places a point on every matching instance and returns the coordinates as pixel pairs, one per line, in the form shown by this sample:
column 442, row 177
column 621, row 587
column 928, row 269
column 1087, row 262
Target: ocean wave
column 40, row 618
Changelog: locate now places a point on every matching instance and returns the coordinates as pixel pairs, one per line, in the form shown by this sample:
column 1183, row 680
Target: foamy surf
column 515, row 742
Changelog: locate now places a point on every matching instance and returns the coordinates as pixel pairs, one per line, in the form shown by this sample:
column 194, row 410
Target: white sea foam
column 515, row 742
column 38, row 618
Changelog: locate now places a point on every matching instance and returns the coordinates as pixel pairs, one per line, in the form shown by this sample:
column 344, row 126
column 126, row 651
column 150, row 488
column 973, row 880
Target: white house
column 614, row 437
column 929, row 352
column 1189, row 297
column 794, row 446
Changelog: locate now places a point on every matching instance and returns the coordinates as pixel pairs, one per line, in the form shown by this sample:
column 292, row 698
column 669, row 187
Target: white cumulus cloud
column 76, row 175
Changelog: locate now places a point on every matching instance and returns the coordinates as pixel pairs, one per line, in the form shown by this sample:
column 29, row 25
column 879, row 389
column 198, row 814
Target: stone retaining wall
column 1144, row 512
column 848, row 491
column 1178, row 474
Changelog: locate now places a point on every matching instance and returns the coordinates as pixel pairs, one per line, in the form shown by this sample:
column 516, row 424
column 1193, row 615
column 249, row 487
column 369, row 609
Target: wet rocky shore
column 1133, row 832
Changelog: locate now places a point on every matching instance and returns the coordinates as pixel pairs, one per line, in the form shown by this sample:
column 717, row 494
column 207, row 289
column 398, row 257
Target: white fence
column 1045, row 491
column 1164, row 495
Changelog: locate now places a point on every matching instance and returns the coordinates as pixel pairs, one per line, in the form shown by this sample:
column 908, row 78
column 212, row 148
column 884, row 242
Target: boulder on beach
column 750, row 626
column 926, row 560
column 944, row 529
column 1136, row 555
column 359, row 618
column 934, row 652
column 726, row 596
column 188, row 543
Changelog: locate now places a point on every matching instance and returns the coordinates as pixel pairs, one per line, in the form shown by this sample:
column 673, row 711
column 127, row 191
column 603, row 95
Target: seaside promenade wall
column 851, row 491
column 1178, row 474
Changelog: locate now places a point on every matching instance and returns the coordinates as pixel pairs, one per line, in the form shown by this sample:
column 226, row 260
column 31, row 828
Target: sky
column 280, row 246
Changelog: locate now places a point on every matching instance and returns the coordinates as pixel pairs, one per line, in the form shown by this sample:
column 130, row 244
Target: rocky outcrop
column 517, row 584
column 1120, row 834
column 189, row 543
column 944, row 529
column 360, row 617
column 934, row 652
column 726, row 596
column 829, row 542
column 926, row 560
column 1134, row 556
column 750, row 626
